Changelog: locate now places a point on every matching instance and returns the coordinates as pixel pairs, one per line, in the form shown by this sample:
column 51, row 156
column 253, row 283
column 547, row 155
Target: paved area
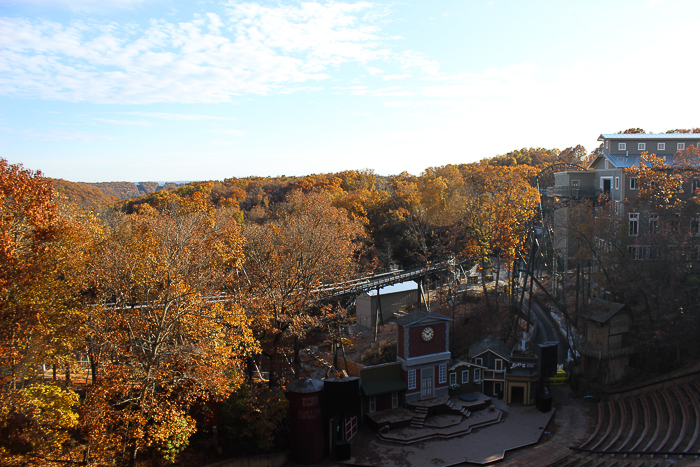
column 520, row 426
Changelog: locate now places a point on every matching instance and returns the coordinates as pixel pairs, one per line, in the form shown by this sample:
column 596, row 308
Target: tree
column 498, row 207
column 165, row 341
column 288, row 261
column 44, row 249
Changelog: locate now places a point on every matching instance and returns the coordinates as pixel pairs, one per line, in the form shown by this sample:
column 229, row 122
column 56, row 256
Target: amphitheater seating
column 631, row 431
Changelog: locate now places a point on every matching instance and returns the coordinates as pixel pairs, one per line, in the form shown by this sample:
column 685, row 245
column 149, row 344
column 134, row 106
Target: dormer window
column 661, row 146
column 622, row 146
column 642, row 146
column 681, row 146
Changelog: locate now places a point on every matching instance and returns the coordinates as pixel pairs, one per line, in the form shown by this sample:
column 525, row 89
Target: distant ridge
column 93, row 194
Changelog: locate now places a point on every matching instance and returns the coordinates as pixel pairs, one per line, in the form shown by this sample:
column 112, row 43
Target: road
column 548, row 331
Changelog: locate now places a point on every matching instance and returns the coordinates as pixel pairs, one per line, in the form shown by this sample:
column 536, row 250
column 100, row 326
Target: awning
column 383, row 387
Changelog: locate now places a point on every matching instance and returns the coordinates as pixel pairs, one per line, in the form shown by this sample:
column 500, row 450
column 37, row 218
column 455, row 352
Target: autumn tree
column 44, row 248
column 165, row 340
column 497, row 209
column 288, row 261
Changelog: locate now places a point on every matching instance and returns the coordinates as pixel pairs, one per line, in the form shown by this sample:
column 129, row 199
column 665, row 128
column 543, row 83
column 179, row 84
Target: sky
column 167, row 90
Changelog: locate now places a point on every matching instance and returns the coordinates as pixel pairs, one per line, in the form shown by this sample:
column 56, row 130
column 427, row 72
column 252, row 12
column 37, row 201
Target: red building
column 424, row 354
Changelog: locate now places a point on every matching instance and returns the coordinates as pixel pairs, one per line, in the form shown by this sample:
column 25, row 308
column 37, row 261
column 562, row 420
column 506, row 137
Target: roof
column 383, row 387
column 417, row 316
column 389, row 289
column 621, row 161
column 605, row 136
column 492, row 344
column 463, row 363
column 602, row 310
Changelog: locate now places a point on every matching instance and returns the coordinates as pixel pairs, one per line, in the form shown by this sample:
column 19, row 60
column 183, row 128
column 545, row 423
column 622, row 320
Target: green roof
column 383, row 387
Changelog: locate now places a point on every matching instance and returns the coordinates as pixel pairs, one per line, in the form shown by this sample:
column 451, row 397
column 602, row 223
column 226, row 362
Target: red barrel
column 306, row 420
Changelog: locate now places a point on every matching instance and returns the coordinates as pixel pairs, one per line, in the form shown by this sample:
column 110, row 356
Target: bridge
column 376, row 281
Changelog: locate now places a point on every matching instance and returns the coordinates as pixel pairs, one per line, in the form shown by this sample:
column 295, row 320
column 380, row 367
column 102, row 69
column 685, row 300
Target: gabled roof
column 418, row 316
column 490, row 344
column 602, row 310
column 679, row 136
column 463, row 363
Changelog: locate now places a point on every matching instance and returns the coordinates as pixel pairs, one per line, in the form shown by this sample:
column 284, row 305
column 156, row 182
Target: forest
column 169, row 297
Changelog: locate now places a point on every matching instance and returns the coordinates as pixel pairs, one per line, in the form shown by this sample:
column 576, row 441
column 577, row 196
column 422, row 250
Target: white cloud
column 230, row 132
column 176, row 116
column 58, row 135
column 251, row 49
column 124, row 122
column 653, row 3
column 85, row 5
column 403, row 76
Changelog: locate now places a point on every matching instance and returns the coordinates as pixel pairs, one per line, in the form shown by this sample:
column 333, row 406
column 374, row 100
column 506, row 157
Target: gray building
column 606, row 174
column 394, row 298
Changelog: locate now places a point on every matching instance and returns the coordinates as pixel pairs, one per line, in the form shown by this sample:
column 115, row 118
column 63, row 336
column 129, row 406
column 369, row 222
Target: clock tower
column 424, row 354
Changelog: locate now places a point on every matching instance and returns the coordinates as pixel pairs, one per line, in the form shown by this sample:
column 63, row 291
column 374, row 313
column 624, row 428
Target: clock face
column 427, row 334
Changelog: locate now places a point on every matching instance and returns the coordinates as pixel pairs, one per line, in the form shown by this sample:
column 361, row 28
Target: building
column 423, row 351
column 465, row 377
column 522, row 378
column 494, row 356
column 393, row 298
column 607, row 346
column 383, row 387
column 606, row 175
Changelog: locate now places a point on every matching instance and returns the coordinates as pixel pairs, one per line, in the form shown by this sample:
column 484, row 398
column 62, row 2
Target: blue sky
column 138, row 90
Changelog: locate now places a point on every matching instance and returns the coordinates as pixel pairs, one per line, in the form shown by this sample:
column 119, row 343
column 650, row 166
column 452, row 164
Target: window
column 499, row 364
column 695, row 226
column 661, row 146
column 607, row 144
column 372, row 404
column 695, row 253
column 465, row 376
column 606, row 164
column 681, row 146
column 622, row 146
column 350, row 427
column 453, row 379
column 633, row 183
column 394, row 400
column 634, row 224
column 695, row 185
column 477, row 375
column 617, row 183
column 479, row 361
column 642, row 146
column 640, row 252
column 411, row 379
column 442, row 373
column 653, row 223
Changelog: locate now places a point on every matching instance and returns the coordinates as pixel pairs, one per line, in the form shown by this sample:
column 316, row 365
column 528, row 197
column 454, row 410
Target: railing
column 493, row 374
column 566, row 191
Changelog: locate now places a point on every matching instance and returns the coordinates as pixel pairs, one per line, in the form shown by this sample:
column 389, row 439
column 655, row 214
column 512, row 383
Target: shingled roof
column 601, row 310
column 417, row 316
column 492, row 344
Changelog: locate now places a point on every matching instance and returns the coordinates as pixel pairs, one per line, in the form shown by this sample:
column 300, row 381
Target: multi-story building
column 606, row 175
